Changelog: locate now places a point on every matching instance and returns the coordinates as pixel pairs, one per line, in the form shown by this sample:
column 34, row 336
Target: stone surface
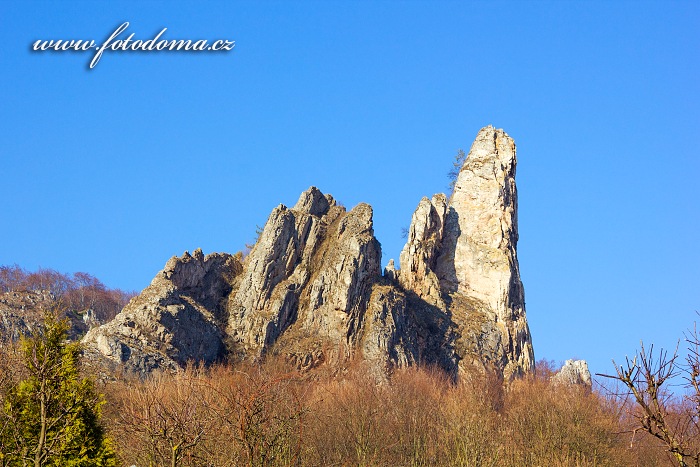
column 22, row 314
column 419, row 255
column 312, row 288
column 461, row 257
column 574, row 372
column 308, row 280
column 178, row 318
column 478, row 264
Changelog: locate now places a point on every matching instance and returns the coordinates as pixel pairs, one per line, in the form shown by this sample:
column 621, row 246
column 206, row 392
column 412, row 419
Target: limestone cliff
column 574, row 372
column 461, row 255
column 312, row 288
column 22, row 314
column 178, row 318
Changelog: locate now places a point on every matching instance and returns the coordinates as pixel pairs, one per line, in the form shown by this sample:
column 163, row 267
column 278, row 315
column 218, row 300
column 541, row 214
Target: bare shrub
column 550, row 424
column 259, row 415
column 265, row 414
column 346, row 421
column 473, row 420
column 162, row 420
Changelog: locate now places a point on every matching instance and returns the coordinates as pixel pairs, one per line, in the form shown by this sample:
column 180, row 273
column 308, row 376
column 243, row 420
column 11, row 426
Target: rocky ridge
column 312, row 287
column 22, row 314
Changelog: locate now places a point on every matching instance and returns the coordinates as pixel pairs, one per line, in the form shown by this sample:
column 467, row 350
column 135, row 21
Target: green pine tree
column 52, row 416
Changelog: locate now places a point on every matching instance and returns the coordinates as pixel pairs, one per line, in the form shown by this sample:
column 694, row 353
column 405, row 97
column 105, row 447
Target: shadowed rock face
column 176, row 319
column 312, row 289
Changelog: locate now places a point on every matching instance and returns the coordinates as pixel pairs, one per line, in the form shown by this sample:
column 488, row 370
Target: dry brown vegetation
column 268, row 414
column 258, row 415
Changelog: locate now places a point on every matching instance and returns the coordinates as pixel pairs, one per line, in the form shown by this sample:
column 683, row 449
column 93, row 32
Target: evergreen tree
column 456, row 167
column 52, row 416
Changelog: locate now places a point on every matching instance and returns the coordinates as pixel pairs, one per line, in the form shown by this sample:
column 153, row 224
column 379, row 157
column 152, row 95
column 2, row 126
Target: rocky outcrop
column 574, row 372
column 22, row 313
column 464, row 251
column 479, row 257
column 312, row 288
column 308, row 283
column 419, row 256
column 178, row 318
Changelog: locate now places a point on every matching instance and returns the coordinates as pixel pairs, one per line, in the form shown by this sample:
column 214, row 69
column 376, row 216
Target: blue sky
column 114, row 170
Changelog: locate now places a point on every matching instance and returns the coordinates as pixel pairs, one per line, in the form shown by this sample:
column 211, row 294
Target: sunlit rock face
column 574, row 372
column 312, row 289
column 176, row 319
column 479, row 258
column 465, row 252
column 310, row 273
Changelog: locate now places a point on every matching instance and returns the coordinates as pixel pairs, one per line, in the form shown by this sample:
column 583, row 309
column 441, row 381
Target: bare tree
column 646, row 379
column 164, row 421
column 261, row 413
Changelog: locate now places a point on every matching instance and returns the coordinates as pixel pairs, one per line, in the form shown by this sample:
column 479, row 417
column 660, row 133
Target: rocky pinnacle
column 312, row 290
column 478, row 258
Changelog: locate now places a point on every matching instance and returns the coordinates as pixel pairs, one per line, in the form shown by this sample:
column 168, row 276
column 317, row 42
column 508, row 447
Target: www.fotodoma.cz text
column 127, row 43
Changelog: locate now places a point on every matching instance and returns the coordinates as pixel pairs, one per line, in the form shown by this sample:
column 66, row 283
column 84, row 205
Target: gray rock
column 313, row 202
column 176, row 319
column 307, row 280
column 390, row 271
column 419, row 255
column 312, row 288
column 574, row 372
column 22, row 314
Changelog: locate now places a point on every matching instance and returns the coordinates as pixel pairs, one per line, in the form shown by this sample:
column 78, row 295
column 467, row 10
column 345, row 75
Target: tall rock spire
column 473, row 256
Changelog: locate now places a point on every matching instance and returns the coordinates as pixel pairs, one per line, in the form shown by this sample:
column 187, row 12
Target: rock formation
column 461, row 256
column 574, row 372
column 22, row 314
column 178, row 318
column 313, row 267
column 312, row 288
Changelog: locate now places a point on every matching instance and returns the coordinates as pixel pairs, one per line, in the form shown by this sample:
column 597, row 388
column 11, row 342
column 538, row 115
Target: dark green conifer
column 52, row 416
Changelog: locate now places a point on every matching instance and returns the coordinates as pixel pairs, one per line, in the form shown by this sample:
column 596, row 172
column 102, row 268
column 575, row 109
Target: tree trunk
column 39, row 454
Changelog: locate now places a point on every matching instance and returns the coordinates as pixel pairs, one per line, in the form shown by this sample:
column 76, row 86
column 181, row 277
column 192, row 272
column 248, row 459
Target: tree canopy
column 51, row 417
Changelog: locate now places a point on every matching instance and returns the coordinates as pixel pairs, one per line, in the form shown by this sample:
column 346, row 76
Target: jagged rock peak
column 310, row 274
column 313, row 202
column 390, row 271
column 177, row 318
column 188, row 271
column 419, row 255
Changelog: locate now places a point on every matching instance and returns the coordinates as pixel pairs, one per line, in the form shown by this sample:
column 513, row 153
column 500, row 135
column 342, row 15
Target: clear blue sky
column 114, row 170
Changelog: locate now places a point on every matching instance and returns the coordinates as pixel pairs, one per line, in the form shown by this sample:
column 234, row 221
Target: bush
column 260, row 415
